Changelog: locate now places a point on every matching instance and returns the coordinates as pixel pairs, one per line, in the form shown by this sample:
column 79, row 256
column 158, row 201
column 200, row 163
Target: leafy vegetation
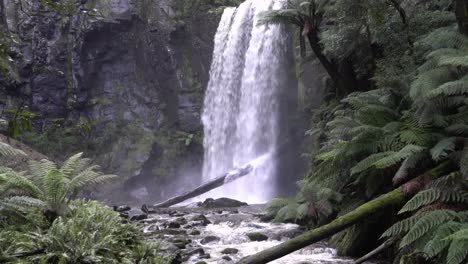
column 42, row 222
column 410, row 118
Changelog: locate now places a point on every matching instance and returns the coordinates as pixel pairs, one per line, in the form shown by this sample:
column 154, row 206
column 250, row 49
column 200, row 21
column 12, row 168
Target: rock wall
column 133, row 71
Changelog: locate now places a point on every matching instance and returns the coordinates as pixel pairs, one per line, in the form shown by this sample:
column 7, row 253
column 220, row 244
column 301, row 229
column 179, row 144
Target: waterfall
column 242, row 101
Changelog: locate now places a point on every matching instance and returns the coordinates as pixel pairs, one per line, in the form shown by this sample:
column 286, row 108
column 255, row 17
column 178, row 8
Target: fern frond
column 9, row 151
column 464, row 163
column 425, row 224
column 457, row 252
column 402, row 226
column 420, row 199
column 38, row 169
column 369, row 162
column 428, row 81
column 437, row 244
column 453, row 88
column 442, row 149
column 70, row 165
column 397, row 157
column 287, row 213
column 283, row 16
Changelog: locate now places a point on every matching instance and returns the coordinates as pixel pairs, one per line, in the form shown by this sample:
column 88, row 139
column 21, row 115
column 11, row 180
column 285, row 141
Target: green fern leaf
column 443, row 148
column 464, row 163
column 399, row 156
column 369, row 162
column 422, row 198
column 425, row 224
column 437, row 244
column 457, row 252
column 402, row 226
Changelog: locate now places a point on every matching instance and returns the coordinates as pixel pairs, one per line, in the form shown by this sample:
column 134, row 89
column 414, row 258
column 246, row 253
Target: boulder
column 221, row 203
column 227, row 258
column 195, row 233
column 229, row 251
column 256, row 236
column 201, row 220
column 209, row 239
column 137, row 214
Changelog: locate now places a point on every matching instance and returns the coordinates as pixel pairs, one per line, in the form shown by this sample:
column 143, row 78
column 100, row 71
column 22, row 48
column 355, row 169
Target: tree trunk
column 461, row 12
column 220, row 181
column 394, row 197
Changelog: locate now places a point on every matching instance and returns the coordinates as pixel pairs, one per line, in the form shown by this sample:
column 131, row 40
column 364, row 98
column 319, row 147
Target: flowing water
column 241, row 108
column 228, row 228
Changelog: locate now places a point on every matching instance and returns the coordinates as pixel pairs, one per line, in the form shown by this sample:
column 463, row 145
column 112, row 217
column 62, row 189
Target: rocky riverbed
column 195, row 234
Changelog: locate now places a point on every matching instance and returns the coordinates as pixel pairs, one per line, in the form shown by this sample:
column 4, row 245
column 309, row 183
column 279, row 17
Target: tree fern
column 402, row 226
column 53, row 186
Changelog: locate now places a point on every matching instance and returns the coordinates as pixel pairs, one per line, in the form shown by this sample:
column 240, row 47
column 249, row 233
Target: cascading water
column 242, row 102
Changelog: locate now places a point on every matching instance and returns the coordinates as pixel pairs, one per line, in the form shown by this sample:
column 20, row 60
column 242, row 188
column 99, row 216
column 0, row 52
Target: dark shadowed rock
column 221, row 203
column 230, row 251
column 209, row 239
column 137, row 214
column 200, row 220
column 227, row 258
column 195, row 233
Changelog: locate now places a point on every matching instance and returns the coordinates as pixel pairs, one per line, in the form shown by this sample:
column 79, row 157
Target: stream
column 220, row 235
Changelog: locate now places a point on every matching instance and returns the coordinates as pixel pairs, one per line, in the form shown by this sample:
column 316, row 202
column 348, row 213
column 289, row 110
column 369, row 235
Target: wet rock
column 227, row 258
column 195, row 233
column 197, row 251
column 209, row 239
column 176, row 214
column 180, row 243
column 172, row 232
column 205, row 256
column 173, row 225
column 122, row 208
column 221, row 203
column 201, row 262
column 200, row 220
column 137, row 214
column 151, row 228
column 256, row 236
column 229, row 251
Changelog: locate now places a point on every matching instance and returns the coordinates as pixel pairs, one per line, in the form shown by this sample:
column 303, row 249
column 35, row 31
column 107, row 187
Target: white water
column 241, row 108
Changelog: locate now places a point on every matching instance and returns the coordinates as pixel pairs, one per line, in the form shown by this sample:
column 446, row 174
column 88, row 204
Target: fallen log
column 204, row 188
column 395, row 197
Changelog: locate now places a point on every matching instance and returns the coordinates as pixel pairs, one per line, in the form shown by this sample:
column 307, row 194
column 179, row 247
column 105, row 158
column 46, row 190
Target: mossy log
column 204, row 188
column 394, row 197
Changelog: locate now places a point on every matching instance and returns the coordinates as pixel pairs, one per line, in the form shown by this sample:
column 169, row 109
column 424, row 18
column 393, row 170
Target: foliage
column 47, row 187
column 59, row 138
column 19, row 120
column 412, row 118
column 91, row 233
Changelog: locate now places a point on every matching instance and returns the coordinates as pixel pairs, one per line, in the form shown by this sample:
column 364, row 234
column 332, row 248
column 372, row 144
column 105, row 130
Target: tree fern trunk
column 394, row 197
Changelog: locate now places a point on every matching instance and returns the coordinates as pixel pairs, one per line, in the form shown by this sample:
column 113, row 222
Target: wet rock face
column 135, row 70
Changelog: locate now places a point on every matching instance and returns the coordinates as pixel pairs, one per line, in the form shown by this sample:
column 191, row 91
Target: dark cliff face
column 135, row 71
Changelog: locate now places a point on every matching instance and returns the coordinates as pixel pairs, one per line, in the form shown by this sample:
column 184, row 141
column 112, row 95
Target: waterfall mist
column 241, row 115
